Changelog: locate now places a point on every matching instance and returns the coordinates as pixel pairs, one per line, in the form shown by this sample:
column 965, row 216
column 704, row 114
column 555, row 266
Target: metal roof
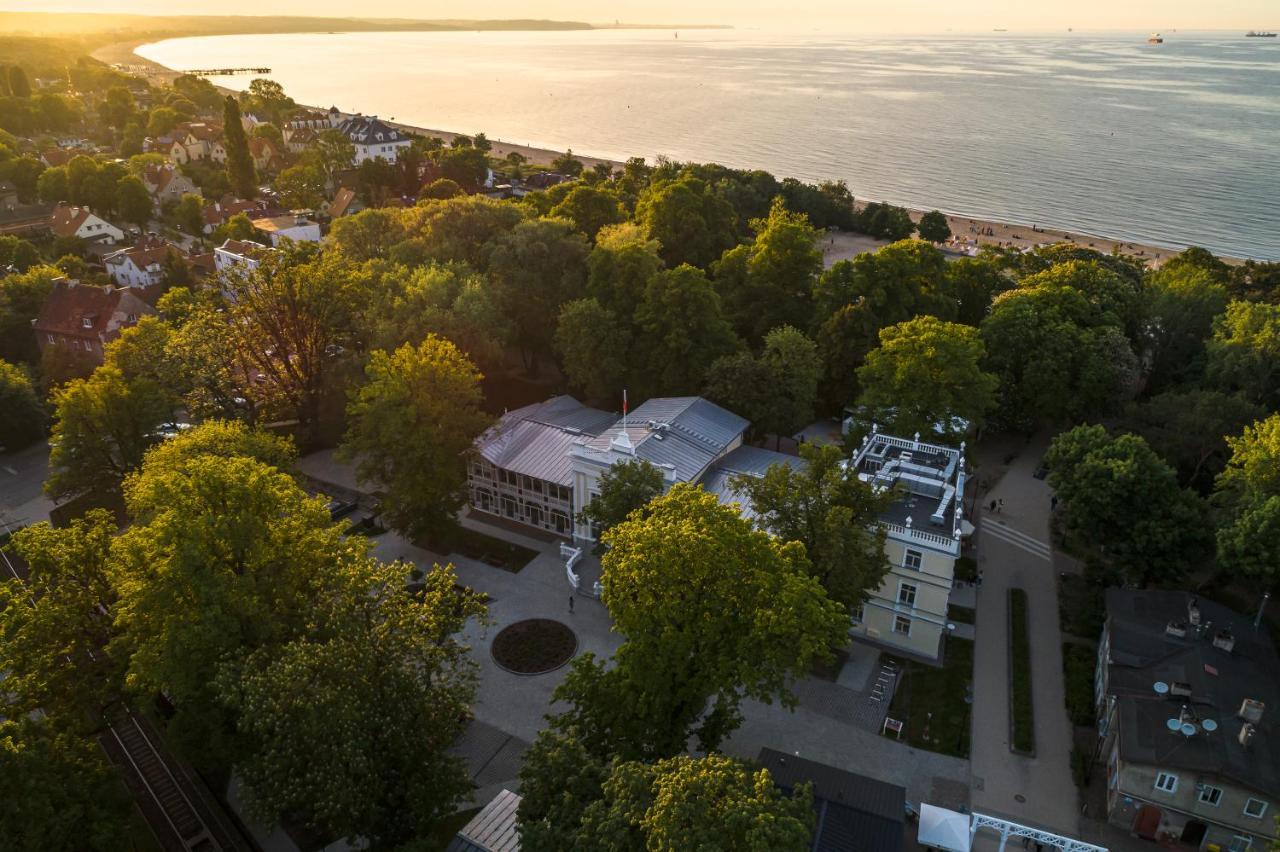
column 752, row 461
column 854, row 813
column 686, row 433
column 1143, row 652
column 535, row 440
column 493, row 829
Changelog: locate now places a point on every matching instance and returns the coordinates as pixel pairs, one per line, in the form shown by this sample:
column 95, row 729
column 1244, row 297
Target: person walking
column 1000, row 506
column 571, row 604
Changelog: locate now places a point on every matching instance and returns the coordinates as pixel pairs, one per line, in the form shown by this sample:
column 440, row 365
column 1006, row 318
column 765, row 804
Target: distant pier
column 223, row 72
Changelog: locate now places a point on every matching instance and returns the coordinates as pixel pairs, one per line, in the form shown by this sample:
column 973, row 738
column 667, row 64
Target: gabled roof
column 535, row 440
column 70, row 303
column 342, row 201
column 260, row 147
column 685, row 433
column 1143, row 652
column 66, row 220
column 147, row 252
column 853, row 812
column 369, row 130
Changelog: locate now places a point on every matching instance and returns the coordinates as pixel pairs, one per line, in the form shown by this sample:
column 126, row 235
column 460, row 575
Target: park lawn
column 924, row 689
column 1020, row 710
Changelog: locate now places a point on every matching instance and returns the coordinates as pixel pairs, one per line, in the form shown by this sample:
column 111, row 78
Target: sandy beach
column 968, row 230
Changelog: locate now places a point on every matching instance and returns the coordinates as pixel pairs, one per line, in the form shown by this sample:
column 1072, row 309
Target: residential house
column 851, row 811
column 316, row 120
column 142, row 265
column 52, row 157
column 238, row 255
column 81, row 222
column 266, row 158
column 923, row 527
column 196, row 141
column 1187, row 692
column 299, row 139
column 86, row 317
column 374, row 138
column 346, row 201
column 167, row 183
column 17, row 218
column 293, row 227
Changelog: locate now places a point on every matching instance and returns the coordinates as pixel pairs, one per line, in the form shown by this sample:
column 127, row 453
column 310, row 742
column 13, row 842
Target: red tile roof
column 87, row 311
column 66, row 220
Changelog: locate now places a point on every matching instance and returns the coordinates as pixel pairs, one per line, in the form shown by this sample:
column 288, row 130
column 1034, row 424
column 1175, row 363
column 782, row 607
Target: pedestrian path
column 998, row 528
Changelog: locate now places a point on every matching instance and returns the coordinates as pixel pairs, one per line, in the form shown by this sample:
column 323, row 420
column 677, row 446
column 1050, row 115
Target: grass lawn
column 1081, row 610
column 444, row 830
column 961, row 614
column 1078, row 664
column 1020, row 712
column 924, row 690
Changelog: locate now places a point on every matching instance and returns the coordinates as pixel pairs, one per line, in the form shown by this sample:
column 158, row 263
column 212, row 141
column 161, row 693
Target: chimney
column 1246, row 734
column 1251, row 710
column 1224, row 640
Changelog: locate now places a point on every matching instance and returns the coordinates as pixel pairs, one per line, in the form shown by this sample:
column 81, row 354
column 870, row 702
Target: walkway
column 1014, row 553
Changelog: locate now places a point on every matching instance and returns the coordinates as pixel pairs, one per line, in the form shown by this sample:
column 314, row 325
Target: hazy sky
column 841, row 15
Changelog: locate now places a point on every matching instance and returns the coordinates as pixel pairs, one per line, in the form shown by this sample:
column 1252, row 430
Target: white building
column 139, row 266
column 238, row 254
column 374, row 139
column 81, row 222
column 300, row 229
column 923, row 530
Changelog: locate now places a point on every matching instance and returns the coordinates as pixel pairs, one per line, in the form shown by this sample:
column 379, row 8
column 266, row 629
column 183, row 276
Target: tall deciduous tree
column 776, row 390
column 54, row 626
column 1121, row 497
column 412, row 425
column 682, row 331
column 1189, row 430
column 386, row 670
column 621, row 265
column 21, row 296
column 102, row 426
column 24, row 415
column 926, row 374
column 624, row 488
column 757, row 619
column 1181, row 305
column 933, row 227
column 57, row 793
column 1244, row 353
column 594, row 345
column 768, row 283
column 690, row 222
column 240, row 171
column 1248, row 492
column 133, row 201
column 590, row 208
column 828, row 509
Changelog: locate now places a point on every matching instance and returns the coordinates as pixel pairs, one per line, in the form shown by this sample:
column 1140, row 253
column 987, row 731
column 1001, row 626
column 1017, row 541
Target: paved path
column 1014, row 553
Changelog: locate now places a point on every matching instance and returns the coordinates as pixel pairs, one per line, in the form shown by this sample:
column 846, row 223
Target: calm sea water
column 1173, row 144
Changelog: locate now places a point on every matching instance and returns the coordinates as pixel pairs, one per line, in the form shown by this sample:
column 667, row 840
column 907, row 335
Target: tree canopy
column 624, row 488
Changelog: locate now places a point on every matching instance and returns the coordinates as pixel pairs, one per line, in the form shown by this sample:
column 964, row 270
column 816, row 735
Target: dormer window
column 86, row 322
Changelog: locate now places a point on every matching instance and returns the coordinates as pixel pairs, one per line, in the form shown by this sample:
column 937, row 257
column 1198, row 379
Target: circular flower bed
column 534, row 646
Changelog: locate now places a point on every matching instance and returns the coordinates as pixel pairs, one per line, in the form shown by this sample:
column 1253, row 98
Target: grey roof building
column 494, row 829
column 854, row 813
column 1187, row 692
column 744, row 461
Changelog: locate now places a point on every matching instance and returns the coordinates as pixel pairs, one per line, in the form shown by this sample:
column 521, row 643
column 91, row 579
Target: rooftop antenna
column 622, row 441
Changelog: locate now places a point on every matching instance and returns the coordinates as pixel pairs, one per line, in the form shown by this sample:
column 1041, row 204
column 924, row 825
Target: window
column 912, row 559
column 856, row 613
column 1210, row 795
column 86, row 322
column 902, row 625
column 1241, row 843
column 907, row 594
column 1166, row 782
column 1255, row 808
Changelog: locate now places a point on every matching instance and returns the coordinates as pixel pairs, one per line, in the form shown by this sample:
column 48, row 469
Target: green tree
column 442, row 189
column 535, row 268
column 827, row 508
column 461, row 229
column 55, row 624
column 332, row 152
column 885, row 221
column 118, row 107
column 713, row 802
column 933, row 227
column 768, row 284
column 389, row 671
column 226, row 556
column 690, row 222
column 188, row 214
column 1189, row 430
column 57, row 793
column 226, row 439
column 19, row 86
column 594, row 347
column 376, row 178
column 567, row 164
column 133, row 201
column 625, row 487
column 559, row 779
column 1248, row 495
column 688, row 660
column 926, row 374
column 590, row 208
column 300, row 187
column 682, row 331
column 24, row 415
column 412, row 426
column 621, row 265
column 240, row 171
column 1123, row 499
column 973, row 282
column 18, row 253
column 52, row 185
column 102, row 426
column 777, row 390
column 468, row 167
column 1244, row 352
column 161, row 121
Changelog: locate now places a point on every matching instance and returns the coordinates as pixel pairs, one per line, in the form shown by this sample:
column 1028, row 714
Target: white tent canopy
column 943, row 829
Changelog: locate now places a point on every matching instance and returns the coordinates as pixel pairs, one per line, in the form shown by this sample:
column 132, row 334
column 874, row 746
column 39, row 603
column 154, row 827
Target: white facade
column 296, row 228
column 129, row 268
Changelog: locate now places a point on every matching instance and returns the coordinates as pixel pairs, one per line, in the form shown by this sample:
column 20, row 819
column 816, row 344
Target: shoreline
column 978, row 231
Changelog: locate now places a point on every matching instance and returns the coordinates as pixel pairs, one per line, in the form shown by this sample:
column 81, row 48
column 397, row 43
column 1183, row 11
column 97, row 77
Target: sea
column 1172, row 144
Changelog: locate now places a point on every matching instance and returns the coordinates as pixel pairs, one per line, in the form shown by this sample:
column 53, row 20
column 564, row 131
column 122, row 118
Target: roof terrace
column 928, row 481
